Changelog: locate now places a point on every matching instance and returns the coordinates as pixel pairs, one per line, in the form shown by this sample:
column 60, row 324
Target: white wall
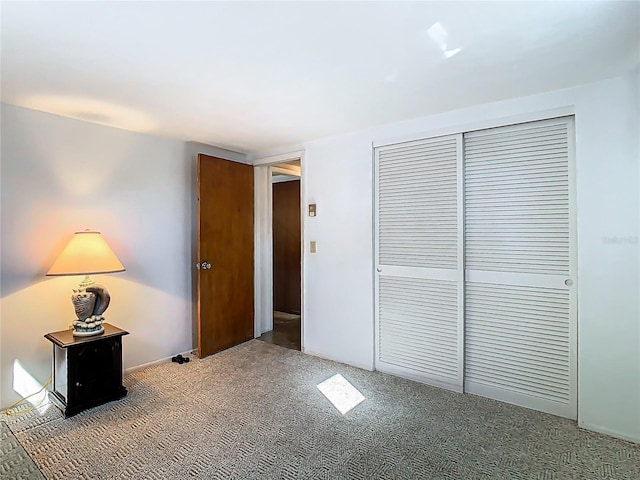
column 338, row 301
column 61, row 175
column 338, row 311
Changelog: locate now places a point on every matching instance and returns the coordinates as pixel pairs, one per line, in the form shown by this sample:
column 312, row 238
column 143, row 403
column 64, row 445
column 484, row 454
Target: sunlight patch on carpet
column 29, row 388
column 341, row 393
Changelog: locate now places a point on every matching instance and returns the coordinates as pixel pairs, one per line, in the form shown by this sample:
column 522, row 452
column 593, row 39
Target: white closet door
column 520, row 291
column 418, row 251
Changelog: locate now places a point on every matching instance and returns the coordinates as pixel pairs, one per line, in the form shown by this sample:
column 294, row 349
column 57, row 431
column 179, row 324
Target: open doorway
column 286, row 256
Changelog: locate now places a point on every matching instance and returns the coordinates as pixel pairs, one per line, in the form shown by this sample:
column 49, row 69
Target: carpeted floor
column 254, row 411
column 15, row 463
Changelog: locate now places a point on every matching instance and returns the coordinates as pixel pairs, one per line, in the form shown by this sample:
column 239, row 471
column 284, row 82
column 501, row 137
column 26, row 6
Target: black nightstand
column 87, row 371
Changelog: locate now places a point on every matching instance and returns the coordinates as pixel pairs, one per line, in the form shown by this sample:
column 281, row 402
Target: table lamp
column 87, row 253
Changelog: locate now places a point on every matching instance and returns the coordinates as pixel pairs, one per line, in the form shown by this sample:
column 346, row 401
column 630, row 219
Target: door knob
column 205, row 266
column 568, row 282
column 379, row 269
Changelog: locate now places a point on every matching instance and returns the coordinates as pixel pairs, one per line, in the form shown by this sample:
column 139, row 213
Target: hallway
column 286, row 331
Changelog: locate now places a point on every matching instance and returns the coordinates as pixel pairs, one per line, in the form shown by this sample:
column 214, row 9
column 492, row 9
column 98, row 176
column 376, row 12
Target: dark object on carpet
column 180, row 359
column 15, row 462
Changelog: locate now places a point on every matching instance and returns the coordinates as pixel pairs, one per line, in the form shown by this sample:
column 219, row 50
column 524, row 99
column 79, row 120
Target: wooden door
column 225, row 254
column 286, row 246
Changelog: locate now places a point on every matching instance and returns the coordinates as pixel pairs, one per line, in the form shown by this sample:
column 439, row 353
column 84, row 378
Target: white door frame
column 263, row 241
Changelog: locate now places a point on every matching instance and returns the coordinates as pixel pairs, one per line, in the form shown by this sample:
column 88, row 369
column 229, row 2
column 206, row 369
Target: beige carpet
column 15, row 463
column 255, row 412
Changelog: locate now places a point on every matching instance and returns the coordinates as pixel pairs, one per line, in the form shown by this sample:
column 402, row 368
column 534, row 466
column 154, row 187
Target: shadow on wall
column 40, row 246
column 61, row 175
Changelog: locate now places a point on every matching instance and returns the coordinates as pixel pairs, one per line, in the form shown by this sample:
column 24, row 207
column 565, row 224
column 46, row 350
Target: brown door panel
column 225, row 242
column 286, row 246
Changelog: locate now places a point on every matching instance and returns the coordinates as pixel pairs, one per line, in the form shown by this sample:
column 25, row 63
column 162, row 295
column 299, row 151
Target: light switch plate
column 312, row 209
column 312, row 247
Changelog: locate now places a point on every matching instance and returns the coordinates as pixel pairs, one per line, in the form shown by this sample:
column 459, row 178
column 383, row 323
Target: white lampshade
column 86, row 254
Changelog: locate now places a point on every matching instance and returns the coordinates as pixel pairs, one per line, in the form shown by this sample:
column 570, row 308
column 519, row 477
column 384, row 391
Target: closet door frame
column 461, row 128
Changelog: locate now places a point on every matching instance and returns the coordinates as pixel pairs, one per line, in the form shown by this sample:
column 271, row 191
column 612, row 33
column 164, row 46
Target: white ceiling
column 252, row 76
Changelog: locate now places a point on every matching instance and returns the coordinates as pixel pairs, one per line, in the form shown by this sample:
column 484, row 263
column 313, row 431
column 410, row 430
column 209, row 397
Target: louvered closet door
column 520, row 292
column 419, row 275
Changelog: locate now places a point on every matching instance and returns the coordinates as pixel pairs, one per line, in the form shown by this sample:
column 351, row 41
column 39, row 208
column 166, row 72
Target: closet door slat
column 418, row 247
column 520, row 315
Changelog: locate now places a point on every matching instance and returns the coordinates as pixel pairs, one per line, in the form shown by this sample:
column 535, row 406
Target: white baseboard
column 369, row 368
column 157, row 362
column 607, row 431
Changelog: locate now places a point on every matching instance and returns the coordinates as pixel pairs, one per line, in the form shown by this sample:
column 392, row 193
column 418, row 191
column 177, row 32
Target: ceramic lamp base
column 88, row 327
column 87, row 332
